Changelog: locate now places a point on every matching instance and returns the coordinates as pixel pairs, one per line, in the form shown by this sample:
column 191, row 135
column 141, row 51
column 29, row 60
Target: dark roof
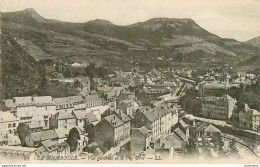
column 150, row 115
column 125, row 118
column 180, row 133
column 200, row 127
column 114, row 120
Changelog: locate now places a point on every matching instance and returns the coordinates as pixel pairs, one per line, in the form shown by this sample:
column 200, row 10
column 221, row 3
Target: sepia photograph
column 129, row 82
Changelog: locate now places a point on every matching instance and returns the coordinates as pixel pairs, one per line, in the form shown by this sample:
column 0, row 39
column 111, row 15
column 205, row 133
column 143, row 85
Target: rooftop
column 114, row 120
column 82, row 114
column 68, row 100
column 44, row 135
column 7, row 117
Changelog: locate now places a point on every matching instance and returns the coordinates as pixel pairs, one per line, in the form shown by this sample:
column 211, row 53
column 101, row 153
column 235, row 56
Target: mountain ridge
column 174, row 37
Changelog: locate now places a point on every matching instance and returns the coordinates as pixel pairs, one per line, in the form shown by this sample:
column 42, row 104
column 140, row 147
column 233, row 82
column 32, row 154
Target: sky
column 237, row 19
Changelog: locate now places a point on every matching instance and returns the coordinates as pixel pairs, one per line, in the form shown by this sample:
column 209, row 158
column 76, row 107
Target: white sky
column 237, row 19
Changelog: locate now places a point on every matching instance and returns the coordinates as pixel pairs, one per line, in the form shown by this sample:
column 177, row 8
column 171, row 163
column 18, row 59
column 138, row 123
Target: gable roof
column 150, row 115
column 44, row 135
column 82, row 114
column 64, row 115
column 125, row 118
column 200, row 127
column 50, row 145
column 212, row 129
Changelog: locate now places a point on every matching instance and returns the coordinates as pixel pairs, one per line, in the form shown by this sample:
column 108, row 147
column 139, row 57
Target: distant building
column 218, row 107
column 213, row 89
column 249, row 118
column 140, row 139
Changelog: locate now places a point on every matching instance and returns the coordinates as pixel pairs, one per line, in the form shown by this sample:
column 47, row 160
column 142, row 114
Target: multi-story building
column 218, row 107
column 32, row 109
column 159, row 120
column 109, row 132
column 249, row 118
column 140, row 139
column 70, row 103
column 62, row 119
column 8, row 123
column 96, row 105
column 84, row 117
column 127, row 106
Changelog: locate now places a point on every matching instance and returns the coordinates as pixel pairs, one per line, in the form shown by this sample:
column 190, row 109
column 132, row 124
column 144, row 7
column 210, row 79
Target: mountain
column 254, row 42
column 100, row 41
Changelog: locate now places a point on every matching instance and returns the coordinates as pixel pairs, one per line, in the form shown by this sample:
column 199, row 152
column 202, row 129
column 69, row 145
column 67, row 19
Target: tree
column 23, row 130
column 73, row 138
column 77, row 84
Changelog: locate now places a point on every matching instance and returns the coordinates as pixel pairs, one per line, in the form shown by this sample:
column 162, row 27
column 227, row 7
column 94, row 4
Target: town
column 154, row 114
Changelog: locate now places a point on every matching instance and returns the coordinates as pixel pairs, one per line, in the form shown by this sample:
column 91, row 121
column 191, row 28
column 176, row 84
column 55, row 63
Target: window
column 14, row 124
column 9, row 125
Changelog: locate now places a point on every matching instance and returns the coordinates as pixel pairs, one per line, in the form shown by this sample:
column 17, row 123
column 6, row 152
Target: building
column 109, row 132
column 249, row 118
column 52, row 148
column 159, row 120
column 83, row 117
column 36, row 139
column 159, row 88
column 140, row 139
column 120, row 81
column 32, row 109
column 127, row 106
column 218, row 107
column 70, row 103
column 62, row 119
column 96, row 105
column 8, row 123
column 213, row 88
column 62, row 134
column 170, row 146
column 127, row 123
column 35, row 127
